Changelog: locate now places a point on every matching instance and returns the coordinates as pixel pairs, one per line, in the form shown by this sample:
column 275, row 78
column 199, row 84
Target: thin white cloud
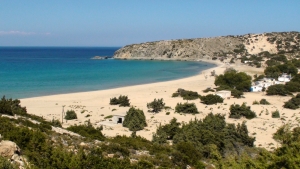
column 21, row 33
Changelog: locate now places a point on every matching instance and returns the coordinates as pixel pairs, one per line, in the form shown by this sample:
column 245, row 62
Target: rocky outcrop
column 99, row 57
column 11, row 150
column 207, row 48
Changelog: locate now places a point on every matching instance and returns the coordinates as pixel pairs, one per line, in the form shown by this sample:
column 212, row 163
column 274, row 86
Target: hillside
column 207, row 48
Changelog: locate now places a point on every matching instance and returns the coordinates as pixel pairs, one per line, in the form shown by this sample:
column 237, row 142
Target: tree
column 166, row 132
column 236, row 80
column 135, row 119
column 156, row 105
column 278, row 89
column 189, row 108
column 70, row 115
column 272, row 72
column 237, row 111
column 211, row 99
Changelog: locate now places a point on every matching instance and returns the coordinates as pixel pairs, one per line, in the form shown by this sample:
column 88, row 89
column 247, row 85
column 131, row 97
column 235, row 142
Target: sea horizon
column 41, row 71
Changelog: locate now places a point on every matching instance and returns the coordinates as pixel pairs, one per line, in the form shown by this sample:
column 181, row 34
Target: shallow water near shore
column 39, row 71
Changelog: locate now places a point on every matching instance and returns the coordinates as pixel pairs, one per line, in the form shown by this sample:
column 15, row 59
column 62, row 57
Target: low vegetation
column 87, row 130
column 237, row 111
column 186, row 94
column 156, row 105
column 122, row 101
column 70, row 115
column 275, row 114
column 293, row 103
column 188, row 108
column 211, row 99
column 264, row 102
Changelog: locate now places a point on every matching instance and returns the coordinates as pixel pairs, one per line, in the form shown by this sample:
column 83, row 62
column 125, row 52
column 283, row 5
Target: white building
column 256, row 88
column 118, row 119
column 224, row 93
column 284, row 78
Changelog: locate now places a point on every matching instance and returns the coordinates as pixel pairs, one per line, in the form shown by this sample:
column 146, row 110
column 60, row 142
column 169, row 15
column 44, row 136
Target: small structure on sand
column 118, row 119
column 224, row 93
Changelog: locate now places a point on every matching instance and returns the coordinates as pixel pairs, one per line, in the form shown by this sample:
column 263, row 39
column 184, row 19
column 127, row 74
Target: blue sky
column 122, row 22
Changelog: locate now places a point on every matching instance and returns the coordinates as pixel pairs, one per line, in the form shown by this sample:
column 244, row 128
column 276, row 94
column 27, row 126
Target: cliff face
column 195, row 49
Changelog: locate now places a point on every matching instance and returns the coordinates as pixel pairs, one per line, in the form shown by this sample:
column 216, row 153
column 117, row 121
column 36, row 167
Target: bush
column 55, row 123
column 175, row 94
column 255, row 102
column 135, row 119
column 264, row 102
column 5, row 164
column 211, row 99
column 275, row 114
column 292, row 86
column 87, row 131
column 156, row 105
column 122, row 101
column 189, row 108
column 70, row 115
column 186, row 94
column 237, row 111
column 278, row 89
column 293, row 103
column 208, row 90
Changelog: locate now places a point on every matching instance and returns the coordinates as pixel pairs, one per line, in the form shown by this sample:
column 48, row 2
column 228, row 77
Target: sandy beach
column 94, row 106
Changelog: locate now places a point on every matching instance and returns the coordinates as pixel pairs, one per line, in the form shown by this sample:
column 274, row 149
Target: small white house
column 284, row 78
column 224, row 93
column 256, row 88
column 118, row 119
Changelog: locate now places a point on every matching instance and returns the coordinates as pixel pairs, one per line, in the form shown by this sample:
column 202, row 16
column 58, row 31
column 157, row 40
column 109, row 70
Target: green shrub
column 255, row 102
column 292, row 86
column 5, row 164
column 264, row 102
column 186, row 94
column 70, row 115
column 293, row 103
column 175, row 94
column 108, row 117
column 211, row 99
column 208, row 90
column 237, row 111
column 275, row 114
column 278, row 89
column 122, row 101
column 55, row 123
column 135, row 119
column 189, row 108
column 156, row 105
column 87, row 131
column 168, row 113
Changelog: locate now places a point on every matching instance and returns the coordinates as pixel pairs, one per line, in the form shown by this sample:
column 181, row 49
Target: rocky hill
column 207, row 48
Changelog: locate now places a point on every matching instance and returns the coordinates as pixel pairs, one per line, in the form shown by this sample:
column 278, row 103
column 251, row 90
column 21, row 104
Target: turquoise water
column 39, row 71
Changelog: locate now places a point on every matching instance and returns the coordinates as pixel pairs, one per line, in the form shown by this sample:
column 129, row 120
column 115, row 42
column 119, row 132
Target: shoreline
column 94, row 106
column 214, row 63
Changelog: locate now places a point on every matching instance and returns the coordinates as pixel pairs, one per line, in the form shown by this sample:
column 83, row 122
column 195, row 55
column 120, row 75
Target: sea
column 40, row 71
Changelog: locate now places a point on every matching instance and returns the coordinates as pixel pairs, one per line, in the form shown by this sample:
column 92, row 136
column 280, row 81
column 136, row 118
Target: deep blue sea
column 39, row 71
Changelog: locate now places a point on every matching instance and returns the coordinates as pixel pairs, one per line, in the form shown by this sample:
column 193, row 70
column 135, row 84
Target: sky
column 124, row 22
